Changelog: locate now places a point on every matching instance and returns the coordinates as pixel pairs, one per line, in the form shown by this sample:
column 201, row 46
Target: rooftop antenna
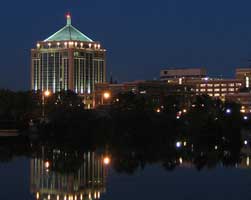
column 68, row 18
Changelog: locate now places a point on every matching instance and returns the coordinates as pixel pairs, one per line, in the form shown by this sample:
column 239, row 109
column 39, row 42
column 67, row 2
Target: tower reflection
column 62, row 175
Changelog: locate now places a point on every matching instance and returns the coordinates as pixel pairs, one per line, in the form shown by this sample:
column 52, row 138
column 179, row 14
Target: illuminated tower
column 67, row 60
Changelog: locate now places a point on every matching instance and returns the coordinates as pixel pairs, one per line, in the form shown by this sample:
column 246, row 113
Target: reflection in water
column 83, row 178
column 65, row 171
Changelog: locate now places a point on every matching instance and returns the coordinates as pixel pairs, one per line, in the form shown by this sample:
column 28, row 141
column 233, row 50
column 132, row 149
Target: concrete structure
column 68, row 60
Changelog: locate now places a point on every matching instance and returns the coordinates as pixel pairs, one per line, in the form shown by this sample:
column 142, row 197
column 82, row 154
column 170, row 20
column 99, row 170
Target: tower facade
column 67, row 60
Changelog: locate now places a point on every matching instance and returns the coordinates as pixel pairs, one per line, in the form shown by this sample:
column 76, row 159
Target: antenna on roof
column 68, row 18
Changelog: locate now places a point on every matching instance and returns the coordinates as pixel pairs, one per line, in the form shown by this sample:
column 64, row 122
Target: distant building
column 218, row 88
column 68, row 60
column 244, row 74
column 180, row 75
column 197, row 79
column 243, row 98
column 157, row 90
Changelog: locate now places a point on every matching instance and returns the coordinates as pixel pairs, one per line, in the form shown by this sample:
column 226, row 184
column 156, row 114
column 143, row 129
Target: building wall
column 157, row 90
column 167, row 74
column 243, row 98
column 244, row 74
column 67, row 66
column 218, row 87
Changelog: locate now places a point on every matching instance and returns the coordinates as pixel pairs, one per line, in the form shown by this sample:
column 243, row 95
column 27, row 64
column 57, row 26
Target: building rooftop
column 67, row 33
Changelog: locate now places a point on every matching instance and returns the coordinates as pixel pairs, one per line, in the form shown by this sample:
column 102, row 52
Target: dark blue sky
column 141, row 37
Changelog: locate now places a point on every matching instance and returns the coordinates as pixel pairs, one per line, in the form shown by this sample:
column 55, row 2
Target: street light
column 47, row 164
column 228, row 111
column 107, row 95
column 106, row 160
column 46, row 93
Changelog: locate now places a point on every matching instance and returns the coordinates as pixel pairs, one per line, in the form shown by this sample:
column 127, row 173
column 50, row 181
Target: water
column 18, row 181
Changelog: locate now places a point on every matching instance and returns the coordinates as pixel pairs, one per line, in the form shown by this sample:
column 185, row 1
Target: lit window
column 247, row 82
column 223, row 85
column 231, row 89
column 223, row 89
column 180, row 81
column 209, row 90
column 216, row 85
column 231, row 84
column 202, row 85
column 210, row 94
column 202, row 90
column 209, row 85
column 216, row 94
column 217, row 90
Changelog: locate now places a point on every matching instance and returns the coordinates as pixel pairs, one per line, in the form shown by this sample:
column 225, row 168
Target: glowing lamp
column 106, row 95
column 106, row 160
column 178, row 144
column 47, row 93
column 47, row 164
column 37, row 195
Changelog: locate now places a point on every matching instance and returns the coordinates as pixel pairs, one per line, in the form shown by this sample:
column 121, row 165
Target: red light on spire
column 68, row 15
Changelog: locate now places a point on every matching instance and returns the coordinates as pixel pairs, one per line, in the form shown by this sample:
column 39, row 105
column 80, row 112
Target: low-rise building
column 218, row 88
column 197, row 79
column 243, row 98
column 244, row 74
column 181, row 75
column 106, row 92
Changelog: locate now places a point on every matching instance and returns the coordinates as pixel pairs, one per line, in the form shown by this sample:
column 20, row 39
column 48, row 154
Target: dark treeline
column 18, row 108
column 136, row 130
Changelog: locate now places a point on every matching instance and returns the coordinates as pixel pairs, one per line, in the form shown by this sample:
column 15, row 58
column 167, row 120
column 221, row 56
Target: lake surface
column 33, row 178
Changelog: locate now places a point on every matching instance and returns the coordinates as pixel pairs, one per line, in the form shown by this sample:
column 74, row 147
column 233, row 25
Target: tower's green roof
column 67, row 33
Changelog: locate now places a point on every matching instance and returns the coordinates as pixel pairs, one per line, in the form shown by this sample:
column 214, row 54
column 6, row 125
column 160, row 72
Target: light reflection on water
column 59, row 179
column 44, row 178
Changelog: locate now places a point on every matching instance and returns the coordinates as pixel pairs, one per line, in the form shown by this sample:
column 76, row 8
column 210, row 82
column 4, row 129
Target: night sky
column 141, row 37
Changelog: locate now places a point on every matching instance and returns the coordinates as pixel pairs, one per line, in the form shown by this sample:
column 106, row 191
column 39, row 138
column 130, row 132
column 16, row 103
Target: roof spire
column 68, row 18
